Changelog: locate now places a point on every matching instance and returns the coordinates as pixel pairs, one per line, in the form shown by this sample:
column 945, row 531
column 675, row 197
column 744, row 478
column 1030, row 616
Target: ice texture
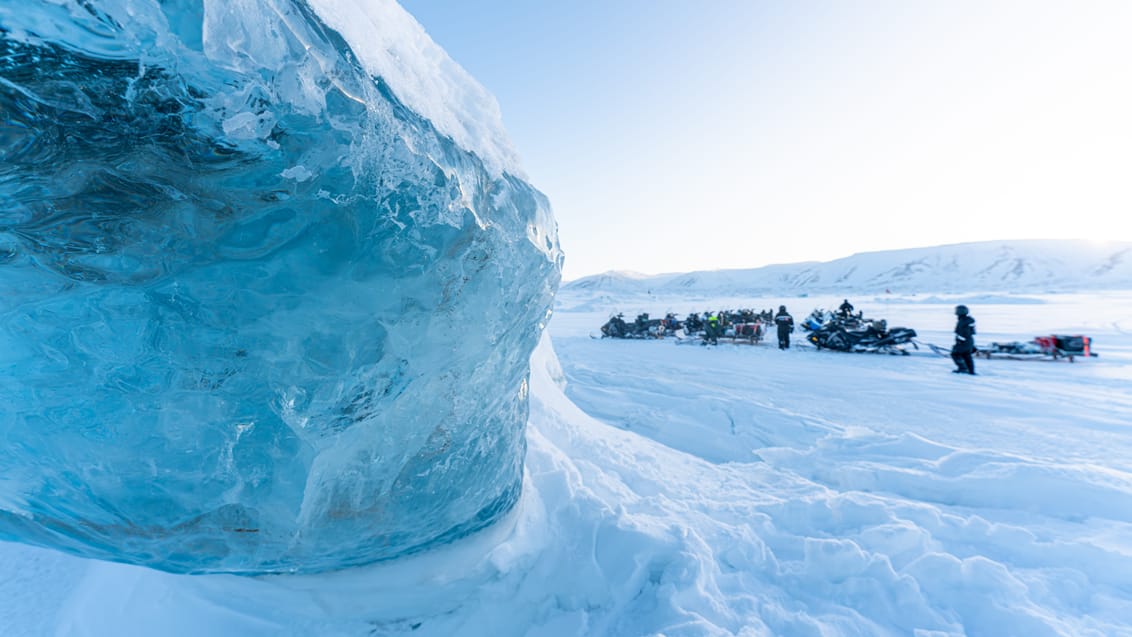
column 269, row 289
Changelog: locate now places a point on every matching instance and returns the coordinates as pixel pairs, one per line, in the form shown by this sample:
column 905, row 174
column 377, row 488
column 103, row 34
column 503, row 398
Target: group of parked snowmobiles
column 841, row 331
column 737, row 325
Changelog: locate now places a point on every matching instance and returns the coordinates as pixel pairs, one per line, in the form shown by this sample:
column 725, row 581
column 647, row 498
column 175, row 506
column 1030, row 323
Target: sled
column 751, row 334
column 744, row 333
column 1041, row 348
column 1054, row 347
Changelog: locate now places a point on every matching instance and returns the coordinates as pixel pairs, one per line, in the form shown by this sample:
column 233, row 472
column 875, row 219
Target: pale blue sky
column 674, row 136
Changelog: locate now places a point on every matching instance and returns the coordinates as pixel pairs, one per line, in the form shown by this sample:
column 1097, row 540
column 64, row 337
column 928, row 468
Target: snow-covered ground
column 675, row 489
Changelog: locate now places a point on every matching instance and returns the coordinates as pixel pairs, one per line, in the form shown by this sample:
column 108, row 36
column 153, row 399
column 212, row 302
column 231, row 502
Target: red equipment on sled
column 749, row 332
column 1052, row 347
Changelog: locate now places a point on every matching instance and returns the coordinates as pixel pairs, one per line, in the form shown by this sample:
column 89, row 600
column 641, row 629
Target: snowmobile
column 616, row 327
column 875, row 337
column 820, row 317
column 693, row 324
column 672, row 325
column 642, row 327
column 649, row 328
column 816, row 319
column 1054, row 347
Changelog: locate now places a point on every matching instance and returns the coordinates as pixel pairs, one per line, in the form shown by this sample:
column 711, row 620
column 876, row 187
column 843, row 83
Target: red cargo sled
column 1053, row 347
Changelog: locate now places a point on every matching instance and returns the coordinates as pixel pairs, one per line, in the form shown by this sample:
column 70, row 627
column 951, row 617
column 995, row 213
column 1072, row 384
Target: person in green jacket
column 712, row 329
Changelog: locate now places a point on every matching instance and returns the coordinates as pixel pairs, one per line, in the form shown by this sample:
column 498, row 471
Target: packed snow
column 677, row 489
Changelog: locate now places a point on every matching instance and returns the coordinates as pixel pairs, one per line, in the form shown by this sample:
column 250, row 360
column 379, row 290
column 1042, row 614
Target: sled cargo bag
column 1073, row 344
column 1048, row 344
column 748, row 329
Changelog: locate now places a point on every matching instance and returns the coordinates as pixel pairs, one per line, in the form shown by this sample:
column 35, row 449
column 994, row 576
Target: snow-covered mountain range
column 990, row 266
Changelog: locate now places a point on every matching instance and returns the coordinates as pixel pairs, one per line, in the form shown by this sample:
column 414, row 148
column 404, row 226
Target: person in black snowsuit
column 785, row 324
column 964, row 349
column 846, row 309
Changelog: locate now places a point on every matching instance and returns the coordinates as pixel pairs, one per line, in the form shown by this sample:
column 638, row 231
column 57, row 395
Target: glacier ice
column 271, row 278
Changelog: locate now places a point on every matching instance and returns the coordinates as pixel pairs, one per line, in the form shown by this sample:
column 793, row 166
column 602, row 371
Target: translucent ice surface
column 270, row 279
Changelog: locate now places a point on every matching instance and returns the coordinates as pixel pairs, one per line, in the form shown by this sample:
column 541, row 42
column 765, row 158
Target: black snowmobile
column 649, row 328
column 642, row 327
column 616, row 327
column 693, row 324
column 875, row 337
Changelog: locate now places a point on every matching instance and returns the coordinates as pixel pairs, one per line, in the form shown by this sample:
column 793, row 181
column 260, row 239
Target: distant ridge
column 612, row 278
column 988, row 266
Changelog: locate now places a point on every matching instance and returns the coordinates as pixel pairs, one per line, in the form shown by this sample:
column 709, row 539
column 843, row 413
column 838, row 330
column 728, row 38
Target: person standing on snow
column 846, row 309
column 785, row 324
column 712, row 329
column 963, row 352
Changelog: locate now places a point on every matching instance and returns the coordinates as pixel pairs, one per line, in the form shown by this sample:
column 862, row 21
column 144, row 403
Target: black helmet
column 781, row 308
column 961, row 310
